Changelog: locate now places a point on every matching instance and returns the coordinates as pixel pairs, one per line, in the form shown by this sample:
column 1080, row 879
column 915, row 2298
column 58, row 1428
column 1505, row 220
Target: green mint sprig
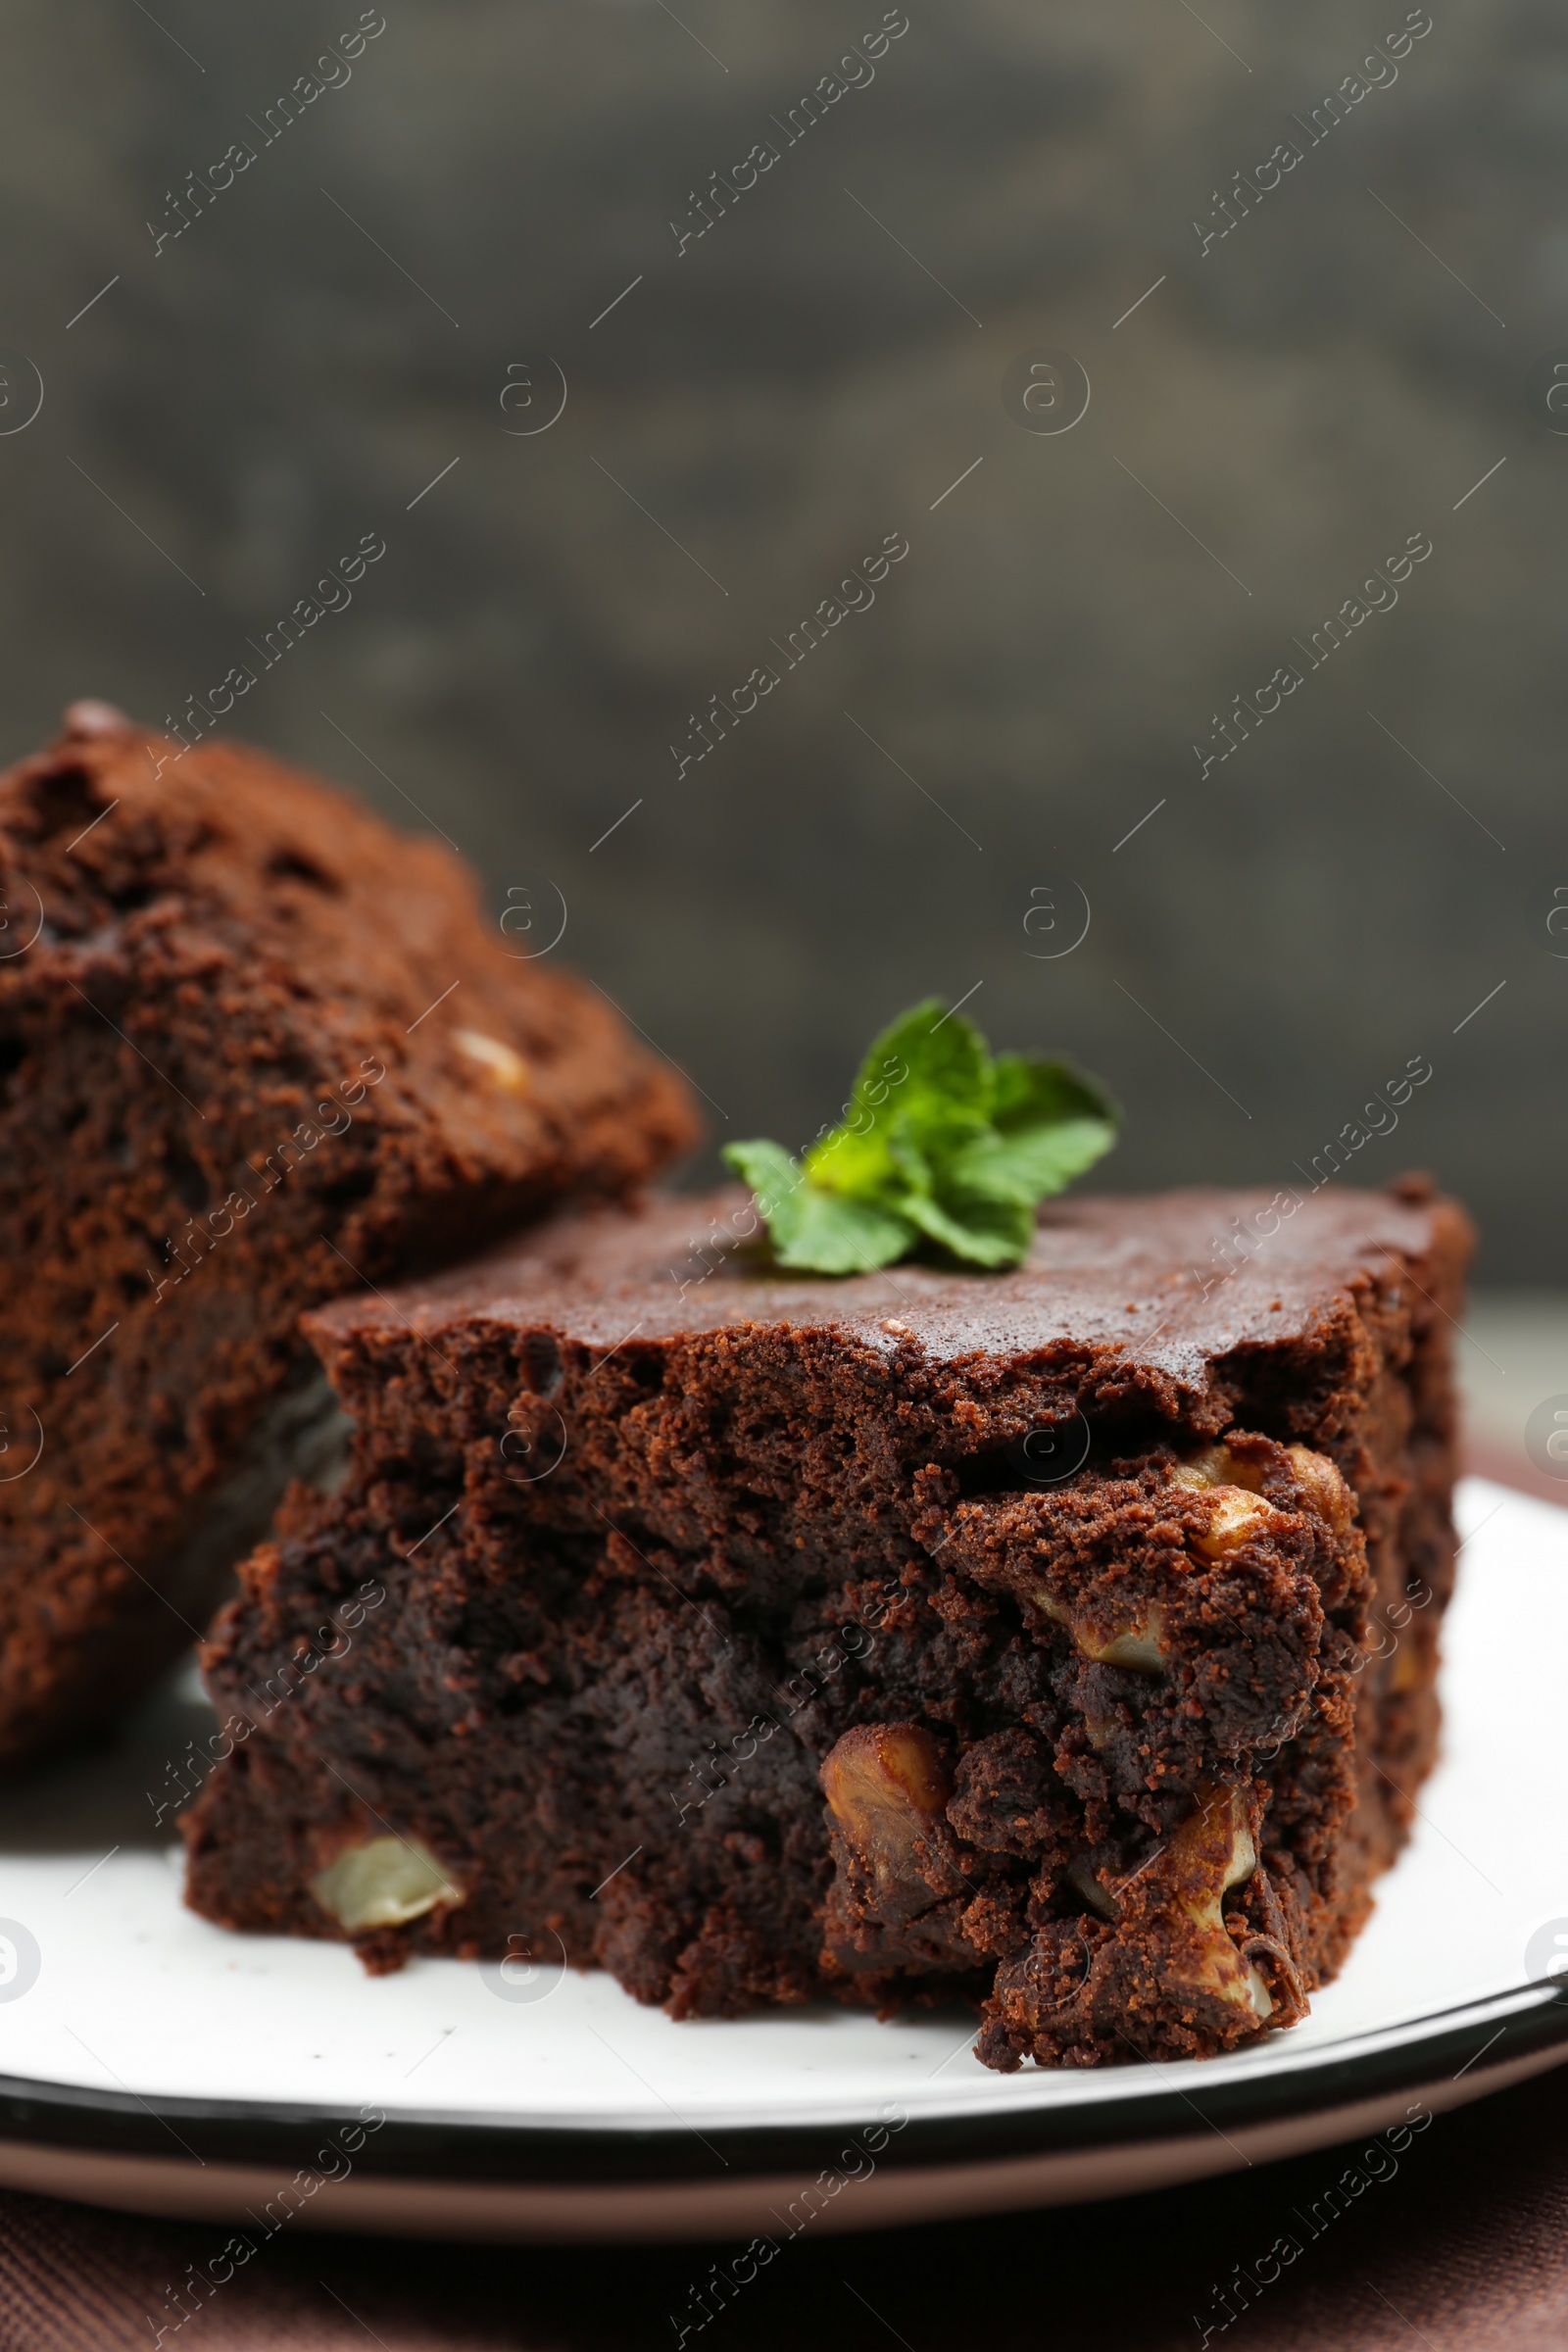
column 941, row 1143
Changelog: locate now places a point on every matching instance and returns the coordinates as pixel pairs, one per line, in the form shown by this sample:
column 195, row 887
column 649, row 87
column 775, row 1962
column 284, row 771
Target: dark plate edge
column 503, row 2150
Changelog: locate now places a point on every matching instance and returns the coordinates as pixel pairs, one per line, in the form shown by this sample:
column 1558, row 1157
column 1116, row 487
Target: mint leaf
column 984, row 1233
column 824, row 1233
column 1032, row 1164
column 925, row 1076
column 1050, row 1124
column 938, row 1143
column 813, row 1230
column 769, row 1171
column 987, row 1228
column 1027, row 1093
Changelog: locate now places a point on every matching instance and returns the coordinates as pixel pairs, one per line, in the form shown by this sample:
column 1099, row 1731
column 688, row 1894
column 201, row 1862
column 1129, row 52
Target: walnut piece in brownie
column 255, row 1047
column 1022, row 1637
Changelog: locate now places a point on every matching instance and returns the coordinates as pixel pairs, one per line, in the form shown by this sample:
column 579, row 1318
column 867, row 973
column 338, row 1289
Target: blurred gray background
column 492, row 188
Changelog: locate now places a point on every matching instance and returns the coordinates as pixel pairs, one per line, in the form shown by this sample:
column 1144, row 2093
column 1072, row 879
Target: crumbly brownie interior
column 254, row 1045
column 1097, row 1601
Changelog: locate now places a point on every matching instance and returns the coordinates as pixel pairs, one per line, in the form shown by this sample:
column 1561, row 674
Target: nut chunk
column 895, row 1858
column 1171, row 1974
column 382, row 1884
column 1238, row 1512
column 1211, row 1852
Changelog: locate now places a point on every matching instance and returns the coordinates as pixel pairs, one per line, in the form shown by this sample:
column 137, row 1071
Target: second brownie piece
column 255, row 1047
column 1063, row 1637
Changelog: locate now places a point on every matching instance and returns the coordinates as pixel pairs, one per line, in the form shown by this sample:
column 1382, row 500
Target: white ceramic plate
column 152, row 2061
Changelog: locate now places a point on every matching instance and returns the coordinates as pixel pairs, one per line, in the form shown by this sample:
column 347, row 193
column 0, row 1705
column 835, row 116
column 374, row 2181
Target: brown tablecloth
column 1466, row 2245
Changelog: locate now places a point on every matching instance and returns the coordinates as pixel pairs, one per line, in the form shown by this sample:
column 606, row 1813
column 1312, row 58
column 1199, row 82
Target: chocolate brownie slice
column 1099, row 1599
column 255, row 1047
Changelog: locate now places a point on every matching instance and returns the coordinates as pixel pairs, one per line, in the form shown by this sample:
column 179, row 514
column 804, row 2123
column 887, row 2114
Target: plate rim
column 466, row 2146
